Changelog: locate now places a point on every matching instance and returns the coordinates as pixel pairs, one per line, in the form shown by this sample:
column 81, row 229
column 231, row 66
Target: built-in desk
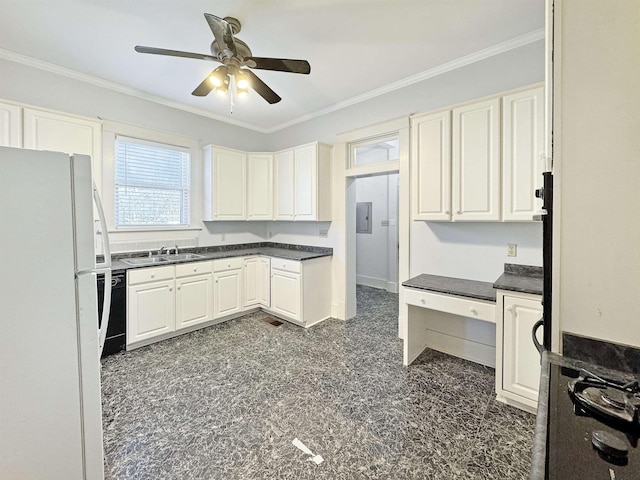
column 453, row 315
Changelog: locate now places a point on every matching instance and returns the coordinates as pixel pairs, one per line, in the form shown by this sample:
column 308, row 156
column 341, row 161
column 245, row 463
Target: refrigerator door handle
column 106, row 267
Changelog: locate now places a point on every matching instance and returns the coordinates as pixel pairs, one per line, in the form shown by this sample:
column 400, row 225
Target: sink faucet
column 162, row 250
column 175, row 250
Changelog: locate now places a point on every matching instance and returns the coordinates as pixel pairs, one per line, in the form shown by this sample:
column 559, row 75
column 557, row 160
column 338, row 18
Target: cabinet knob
column 459, row 212
column 170, row 289
column 447, row 212
column 178, row 288
column 509, row 309
column 195, row 269
column 153, row 276
column 423, row 301
column 473, row 311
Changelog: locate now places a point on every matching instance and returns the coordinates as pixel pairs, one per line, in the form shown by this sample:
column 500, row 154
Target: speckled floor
column 225, row 403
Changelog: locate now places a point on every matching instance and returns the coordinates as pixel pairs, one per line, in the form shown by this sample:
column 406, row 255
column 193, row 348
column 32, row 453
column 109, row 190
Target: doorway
column 376, row 227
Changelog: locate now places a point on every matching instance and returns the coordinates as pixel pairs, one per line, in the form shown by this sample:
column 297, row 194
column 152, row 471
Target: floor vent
column 273, row 321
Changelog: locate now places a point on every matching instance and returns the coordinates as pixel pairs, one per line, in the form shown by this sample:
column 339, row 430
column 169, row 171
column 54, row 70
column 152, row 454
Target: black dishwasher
column 117, row 330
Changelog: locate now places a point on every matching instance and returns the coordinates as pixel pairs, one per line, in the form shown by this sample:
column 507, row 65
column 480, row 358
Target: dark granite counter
column 453, row 286
column 539, row 454
column 520, row 278
column 280, row 250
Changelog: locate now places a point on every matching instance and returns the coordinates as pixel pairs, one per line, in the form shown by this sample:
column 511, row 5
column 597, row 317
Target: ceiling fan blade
column 174, row 53
column 222, row 33
column 262, row 88
column 204, row 88
column 280, row 64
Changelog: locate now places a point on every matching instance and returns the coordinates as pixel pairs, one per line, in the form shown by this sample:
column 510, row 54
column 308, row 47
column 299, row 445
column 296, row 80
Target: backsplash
column 614, row 356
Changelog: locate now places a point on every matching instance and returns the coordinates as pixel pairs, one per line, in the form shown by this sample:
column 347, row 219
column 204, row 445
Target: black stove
column 593, row 426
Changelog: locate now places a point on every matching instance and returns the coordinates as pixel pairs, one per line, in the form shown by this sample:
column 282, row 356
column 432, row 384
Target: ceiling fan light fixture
column 242, row 92
column 218, row 77
column 242, row 82
column 222, row 90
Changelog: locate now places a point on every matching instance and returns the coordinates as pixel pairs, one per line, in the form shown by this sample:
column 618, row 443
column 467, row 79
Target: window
column 380, row 150
column 152, row 184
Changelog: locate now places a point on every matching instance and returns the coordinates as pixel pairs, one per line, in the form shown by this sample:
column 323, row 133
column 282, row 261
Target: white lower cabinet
column 194, row 294
column 227, row 287
column 518, row 360
column 256, row 282
column 150, row 303
column 301, row 291
column 163, row 300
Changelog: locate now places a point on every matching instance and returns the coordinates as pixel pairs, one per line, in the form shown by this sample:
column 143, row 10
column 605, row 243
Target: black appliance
column 546, row 194
column 117, row 330
column 593, row 426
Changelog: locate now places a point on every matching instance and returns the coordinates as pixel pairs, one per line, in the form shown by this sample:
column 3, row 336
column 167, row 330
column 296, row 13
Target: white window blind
column 152, row 184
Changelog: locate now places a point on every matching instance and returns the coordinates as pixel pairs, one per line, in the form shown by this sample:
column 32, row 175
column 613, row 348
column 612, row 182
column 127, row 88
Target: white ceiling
column 356, row 48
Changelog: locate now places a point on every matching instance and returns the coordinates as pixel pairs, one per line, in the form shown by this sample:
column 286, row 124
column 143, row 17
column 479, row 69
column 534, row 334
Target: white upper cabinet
column 283, row 189
column 476, row 161
column 431, row 166
column 225, row 184
column 302, row 187
column 259, row 186
column 10, row 125
column 62, row 133
column 522, row 153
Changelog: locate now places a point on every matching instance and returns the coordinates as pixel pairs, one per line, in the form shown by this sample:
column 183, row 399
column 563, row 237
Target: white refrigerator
column 50, row 406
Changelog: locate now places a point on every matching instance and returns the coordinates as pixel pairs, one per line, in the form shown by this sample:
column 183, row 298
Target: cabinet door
column 286, row 294
column 305, row 182
column 250, row 282
column 521, row 359
column 62, row 133
column 522, row 150
column 10, row 125
column 431, row 155
column 476, row 161
column 229, row 184
column 283, row 185
column 194, row 300
column 150, row 310
column 263, row 282
column 259, row 187
column 227, row 293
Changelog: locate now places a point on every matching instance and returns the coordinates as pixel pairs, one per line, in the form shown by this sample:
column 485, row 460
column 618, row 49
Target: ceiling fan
column 236, row 60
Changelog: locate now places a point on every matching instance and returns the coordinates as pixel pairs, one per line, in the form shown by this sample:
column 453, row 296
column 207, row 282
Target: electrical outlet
column 512, row 250
column 324, row 233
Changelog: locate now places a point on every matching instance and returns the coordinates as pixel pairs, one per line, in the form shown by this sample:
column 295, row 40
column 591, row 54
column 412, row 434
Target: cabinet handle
column 473, row 311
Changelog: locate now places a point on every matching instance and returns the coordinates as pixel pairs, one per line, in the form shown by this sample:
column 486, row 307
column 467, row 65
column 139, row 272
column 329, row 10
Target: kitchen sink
column 183, row 256
column 146, row 260
column 160, row 259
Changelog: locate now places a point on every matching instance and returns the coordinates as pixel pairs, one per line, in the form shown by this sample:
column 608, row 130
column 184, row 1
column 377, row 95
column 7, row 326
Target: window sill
column 155, row 229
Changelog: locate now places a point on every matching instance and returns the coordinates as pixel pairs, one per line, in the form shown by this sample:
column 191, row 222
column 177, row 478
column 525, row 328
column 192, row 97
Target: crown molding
column 118, row 87
column 498, row 49
column 492, row 51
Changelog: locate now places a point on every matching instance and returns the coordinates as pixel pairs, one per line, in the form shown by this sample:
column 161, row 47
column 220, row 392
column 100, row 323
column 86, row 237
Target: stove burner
column 613, row 402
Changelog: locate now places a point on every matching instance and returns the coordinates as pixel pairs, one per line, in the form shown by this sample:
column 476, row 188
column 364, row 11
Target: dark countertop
column 280, row 250
column 453, row 286
column 520, row 278
column 539, row 455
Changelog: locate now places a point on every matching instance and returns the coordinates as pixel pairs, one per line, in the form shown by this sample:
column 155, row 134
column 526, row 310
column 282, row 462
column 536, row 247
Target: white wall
column 477, row 251
column 597, row 169
column 512, row 69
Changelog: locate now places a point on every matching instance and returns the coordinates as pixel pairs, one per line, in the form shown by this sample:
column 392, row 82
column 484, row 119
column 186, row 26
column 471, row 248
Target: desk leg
column 416, row 338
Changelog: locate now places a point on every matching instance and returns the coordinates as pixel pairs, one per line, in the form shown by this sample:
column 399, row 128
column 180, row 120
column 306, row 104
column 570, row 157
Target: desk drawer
column 466, row 307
